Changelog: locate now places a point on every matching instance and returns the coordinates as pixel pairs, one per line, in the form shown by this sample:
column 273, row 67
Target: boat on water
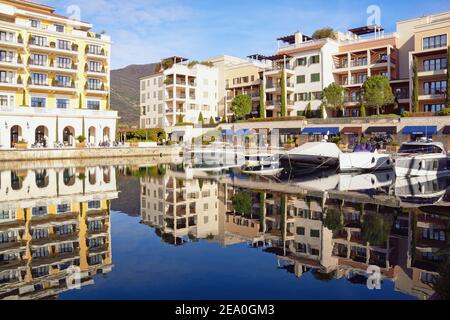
column 312, row 156
column 421, row 158
column 365, row 157
column 213, row 159
column 423, row 190
column 257, row 159
column 262, row 164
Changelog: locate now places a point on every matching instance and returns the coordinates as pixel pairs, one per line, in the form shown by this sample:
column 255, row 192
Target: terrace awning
column 446, row 130
column 352, row 130
column 425, row 130
column 321, row 130
column 390, row 130
column 290, row 131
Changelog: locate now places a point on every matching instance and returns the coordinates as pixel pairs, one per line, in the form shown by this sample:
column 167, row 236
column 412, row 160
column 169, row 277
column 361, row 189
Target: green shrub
column 445, row 112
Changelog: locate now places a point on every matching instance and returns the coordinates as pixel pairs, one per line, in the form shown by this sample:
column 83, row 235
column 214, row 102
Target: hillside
column 125, row 91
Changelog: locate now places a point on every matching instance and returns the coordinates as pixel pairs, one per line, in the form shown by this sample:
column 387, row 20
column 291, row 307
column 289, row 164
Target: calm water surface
column 161, row 232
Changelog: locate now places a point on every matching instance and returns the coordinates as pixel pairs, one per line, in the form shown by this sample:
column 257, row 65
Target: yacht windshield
column 418, row 148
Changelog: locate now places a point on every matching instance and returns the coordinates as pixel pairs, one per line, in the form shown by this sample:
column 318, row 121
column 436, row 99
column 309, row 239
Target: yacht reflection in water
column 334, row 226
column 52, row 221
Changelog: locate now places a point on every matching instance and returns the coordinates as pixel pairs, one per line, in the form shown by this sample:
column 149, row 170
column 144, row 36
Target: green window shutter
column 301, row 79
column 315, row 77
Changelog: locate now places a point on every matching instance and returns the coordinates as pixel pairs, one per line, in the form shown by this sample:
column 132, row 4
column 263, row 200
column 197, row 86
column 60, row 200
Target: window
column 301, row 79
column 6, row 100
column 93, row 49
column 64, row 63
column 39, row 211
column 315, row 77
column 435, row 64
column 63, row 81
column 96, row 66
column 94, row 84
column 245, row 79
column 38, row 59
column 7, row 76
column 93, row 104
column 315, row 233
column 316, row 95
column 39, row 41
column 62, row 103
column 302, row 96
column 39, row 79
column 435, row 41
column 314, row 59
column 37, row 102
column 301, row 61
column 433, row 107
column 6, row 56
column 7, row 36
column 63, row 44
column 59, row 28
column 435, row 87
column 63, row 208
column 301, row 231
column 35, row 23
column 95, row 204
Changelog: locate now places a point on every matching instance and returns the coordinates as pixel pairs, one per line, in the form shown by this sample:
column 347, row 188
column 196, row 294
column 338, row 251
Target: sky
column 147, row 31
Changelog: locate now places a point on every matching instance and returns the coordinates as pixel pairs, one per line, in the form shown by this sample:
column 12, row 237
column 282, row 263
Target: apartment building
column 180, row 208
column 54, row 78
column 41, row 237
column 307, row 65
column 367, row 52
column 238, row 76
column 425, row 40
column 180, row 92
column 312, row 64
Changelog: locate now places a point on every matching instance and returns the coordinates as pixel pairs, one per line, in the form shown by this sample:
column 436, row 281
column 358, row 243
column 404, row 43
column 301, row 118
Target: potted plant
column 134, row 143
column 21, row 144
column 393, row 147
column 290, row 143
column 81, row 142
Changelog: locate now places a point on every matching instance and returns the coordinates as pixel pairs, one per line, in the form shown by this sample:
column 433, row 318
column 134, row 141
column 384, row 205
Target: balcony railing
column 359, row 63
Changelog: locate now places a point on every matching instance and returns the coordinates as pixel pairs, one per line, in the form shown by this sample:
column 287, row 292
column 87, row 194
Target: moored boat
column 421, row 158
column 364, row 157
column 313, row 156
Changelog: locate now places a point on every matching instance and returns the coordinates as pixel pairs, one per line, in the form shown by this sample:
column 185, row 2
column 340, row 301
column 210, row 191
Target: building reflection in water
column 333, row 235
column 50, row 220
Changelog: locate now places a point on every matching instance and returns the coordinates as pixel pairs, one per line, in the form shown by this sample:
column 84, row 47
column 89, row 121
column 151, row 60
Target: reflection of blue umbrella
column 243, row 132
column 227, row 132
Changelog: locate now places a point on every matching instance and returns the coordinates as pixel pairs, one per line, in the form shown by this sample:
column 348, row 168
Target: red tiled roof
column 303, row 49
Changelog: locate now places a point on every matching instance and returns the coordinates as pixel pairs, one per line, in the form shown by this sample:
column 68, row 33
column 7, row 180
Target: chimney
column 298, row 37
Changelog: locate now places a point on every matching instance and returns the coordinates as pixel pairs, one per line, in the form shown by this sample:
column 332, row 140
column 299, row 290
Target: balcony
column 97, row 73
column 276, row 104
column 29, row 111
column 101, row 55
column 72, row 69
column 96, row 90
column 14, row 83
column 12, row 63
column 43, row 47
column 12, row 43
column 63, row 87
column 357, row 63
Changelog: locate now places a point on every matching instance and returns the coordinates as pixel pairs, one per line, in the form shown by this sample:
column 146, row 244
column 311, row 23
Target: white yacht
column 213, row 159
column 313, row 156
column 265, row 165
column 421, row 158
column 364, row 158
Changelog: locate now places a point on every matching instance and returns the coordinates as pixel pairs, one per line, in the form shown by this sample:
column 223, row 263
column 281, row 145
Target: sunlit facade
column 54, row 78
